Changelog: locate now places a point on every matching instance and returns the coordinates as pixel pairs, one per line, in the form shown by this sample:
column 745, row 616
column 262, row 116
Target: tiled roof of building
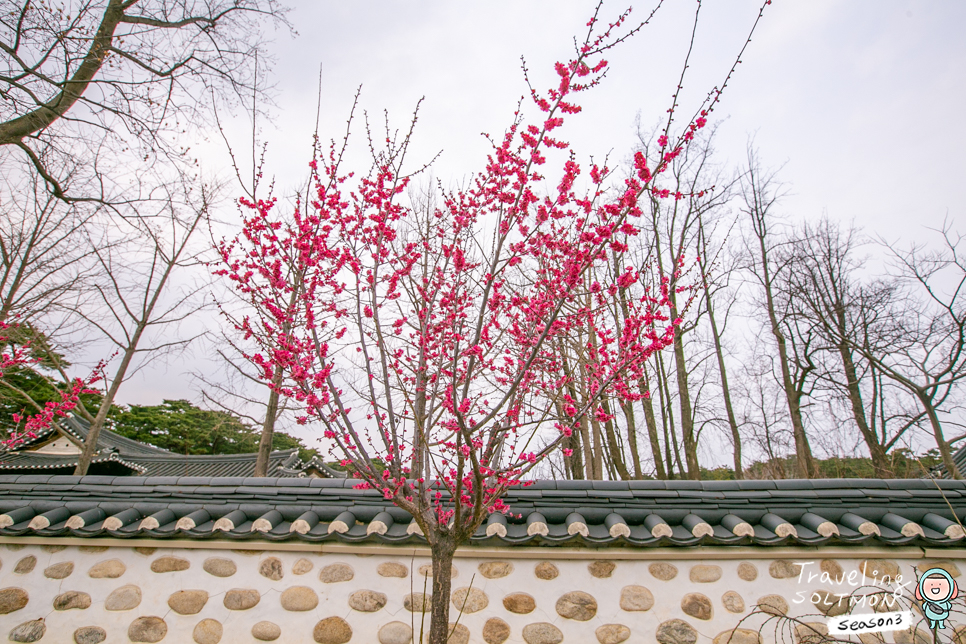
column 120, row 456
column 635, row 514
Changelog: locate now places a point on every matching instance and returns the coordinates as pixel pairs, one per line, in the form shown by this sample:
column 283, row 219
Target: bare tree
column 760, row 193
column 142, row 293
column 845, row 312
column 42, row 249
column 95, row 85
column 928, row 358
column 712, row 285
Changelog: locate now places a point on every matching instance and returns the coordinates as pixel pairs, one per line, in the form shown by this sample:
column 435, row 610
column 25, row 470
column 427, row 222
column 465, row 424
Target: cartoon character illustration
column 936, row 591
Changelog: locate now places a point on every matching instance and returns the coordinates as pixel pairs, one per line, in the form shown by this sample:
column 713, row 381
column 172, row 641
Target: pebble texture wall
column 89, row 595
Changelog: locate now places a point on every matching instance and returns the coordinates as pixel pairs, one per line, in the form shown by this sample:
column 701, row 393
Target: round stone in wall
column 519, row 603
column 207, row 631
column 396, row 633
column 110, row 569
column 332, row 630
column 147, row 552
column 367, row 601
column 773, row 605
column 601, row 569
column 336, row 573
column 612, row 634
column 241, row 598
column 418, row 602
column 89, row 635
column 883, row 570
column 737, row 636
column 60, row 570
column 426, row 570
column 12, row 599
column 72, row 599
column 302, row 566
column 188, row 602
column 495, row 631
column 912, row 636
column 697, row 605
column 123, row 598
column 811, row 633
column 636, row 598
column 52, row 548
column 147, row 629
column 663, row 571
column 299, row 598
column 25, row 565
column 828, row 603
column 30, row 631
column 542, row 633
column 733, row 602
column 271, row 568
column 392, row 569
column 577, row 605
column 546, row 570
column 469, row 600
column 219, row 567
column 747, row 571
column 266, row 631
column 93, row 549
column 458, row 634
column 676, row 631
column 495, row 569
column 704, row 574
column 833, row 569
column 783, row 569
column 169, row 564
column 948, row 566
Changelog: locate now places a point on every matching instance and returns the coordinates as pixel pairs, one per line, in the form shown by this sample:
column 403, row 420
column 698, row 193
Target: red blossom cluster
column 427, row 338
column 19, row 355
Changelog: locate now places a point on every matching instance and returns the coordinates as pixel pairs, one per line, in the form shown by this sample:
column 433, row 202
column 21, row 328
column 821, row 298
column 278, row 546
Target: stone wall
column 88, row 595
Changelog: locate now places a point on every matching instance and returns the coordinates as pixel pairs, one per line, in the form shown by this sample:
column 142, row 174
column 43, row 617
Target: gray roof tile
column 557, row 502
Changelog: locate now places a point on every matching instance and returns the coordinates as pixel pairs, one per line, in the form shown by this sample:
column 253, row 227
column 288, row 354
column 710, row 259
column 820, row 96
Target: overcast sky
column 860, row 101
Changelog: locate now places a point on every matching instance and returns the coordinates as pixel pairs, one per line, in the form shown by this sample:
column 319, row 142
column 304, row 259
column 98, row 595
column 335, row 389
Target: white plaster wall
column 297, row 627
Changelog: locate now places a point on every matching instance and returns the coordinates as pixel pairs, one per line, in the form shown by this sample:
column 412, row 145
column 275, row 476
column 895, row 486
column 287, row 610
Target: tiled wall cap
column 413, row 528
column 227, row 523
column 88, row 517
column 576, row 524
column 380, row 524
column 305, row 522
column 122, row 519
column 14, row 517
column 342, row 523
column 190, row 521
column 657, row 526
column 267, row 521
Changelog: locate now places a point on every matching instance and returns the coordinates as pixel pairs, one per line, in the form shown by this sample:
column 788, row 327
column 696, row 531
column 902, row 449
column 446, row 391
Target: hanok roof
column 638, row 514
column 120, row 456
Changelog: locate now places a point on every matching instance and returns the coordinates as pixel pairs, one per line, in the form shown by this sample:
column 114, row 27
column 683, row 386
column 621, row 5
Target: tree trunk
column 615, row 451
column 442, row 548
column 628, row 409
column 803, row 452
column 90, row 443
column 684, row 401
column 652, row 434
column 722, row 370
column 937, row 430
column 880, row 463
column 268, row 426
